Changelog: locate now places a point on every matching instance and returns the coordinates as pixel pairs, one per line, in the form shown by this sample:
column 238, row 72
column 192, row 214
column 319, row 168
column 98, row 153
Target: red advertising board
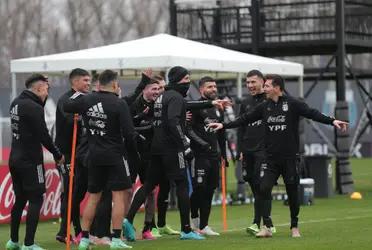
column 51, row 205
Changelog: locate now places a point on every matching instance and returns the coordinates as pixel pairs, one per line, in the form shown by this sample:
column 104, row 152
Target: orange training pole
column 70, row 184
column 223, row 183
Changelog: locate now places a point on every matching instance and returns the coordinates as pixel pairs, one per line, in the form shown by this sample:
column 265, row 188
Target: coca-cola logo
column 51, row 205
column 276, row 119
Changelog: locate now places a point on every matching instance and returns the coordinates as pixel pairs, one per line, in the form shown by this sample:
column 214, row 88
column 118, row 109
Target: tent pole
column 14, row 87
column 239, row 92
column 301, row 86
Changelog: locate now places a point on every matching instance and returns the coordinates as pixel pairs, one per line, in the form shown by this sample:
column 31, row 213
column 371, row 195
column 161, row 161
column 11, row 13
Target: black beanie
column 176, row 74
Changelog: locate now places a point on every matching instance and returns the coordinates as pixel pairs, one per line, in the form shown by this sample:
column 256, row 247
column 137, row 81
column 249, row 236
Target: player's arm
column 75, row 104
column 203, row 104
column 145, row 79
column 37, row 121
column 126, row 124
column 194, row 136
column 241, row 130
column 304, row 110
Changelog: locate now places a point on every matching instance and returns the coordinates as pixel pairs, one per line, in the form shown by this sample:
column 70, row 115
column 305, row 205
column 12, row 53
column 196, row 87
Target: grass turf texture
column 335, row 223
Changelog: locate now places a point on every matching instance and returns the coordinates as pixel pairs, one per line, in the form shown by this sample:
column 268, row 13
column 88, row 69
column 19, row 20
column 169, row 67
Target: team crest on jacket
column 285, row 106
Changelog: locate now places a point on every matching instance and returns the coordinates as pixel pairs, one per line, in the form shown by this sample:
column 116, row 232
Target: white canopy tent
column 159, row 52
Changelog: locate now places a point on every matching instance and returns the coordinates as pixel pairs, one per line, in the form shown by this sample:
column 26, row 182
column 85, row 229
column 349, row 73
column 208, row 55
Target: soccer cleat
column 117, row 243
column 147, row 235
column 129, row 232
column 295, row 232
column 253, row 229
column 155, row 232
column 195, row 223
column 191, row 236
column 84, row 244
column 77, row 238
column 273, row 229
column 104, row 241
column 208, row 231
column 264, row 233
column 32, row 247
column 63, row 238
column 167, row 230
column 10, row 245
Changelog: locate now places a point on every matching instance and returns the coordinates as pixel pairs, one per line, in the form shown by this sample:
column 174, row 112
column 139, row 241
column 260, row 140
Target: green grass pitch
column 335, row 223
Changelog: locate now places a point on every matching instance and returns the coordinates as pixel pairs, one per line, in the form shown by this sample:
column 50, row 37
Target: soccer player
column 208, row 147
column 29, row 134
column 108, row 121
column 251, row 144
column 80, row 81
column 280, row 116
column 167, row 151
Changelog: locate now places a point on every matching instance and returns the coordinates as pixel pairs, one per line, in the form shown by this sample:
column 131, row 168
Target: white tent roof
column 159, row 51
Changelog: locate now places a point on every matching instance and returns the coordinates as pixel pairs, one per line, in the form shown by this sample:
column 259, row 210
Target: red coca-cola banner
column 51, row 205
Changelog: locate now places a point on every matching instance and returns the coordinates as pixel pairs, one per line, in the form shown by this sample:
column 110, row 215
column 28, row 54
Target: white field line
column 310, row 221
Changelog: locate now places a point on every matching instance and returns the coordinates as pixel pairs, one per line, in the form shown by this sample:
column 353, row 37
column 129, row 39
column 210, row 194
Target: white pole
column 14, row 87
column 301, row 86
column 239, row 92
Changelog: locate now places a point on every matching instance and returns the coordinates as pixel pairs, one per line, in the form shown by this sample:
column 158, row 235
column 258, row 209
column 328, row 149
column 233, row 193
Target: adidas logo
column 97, row 111
column 14, row 113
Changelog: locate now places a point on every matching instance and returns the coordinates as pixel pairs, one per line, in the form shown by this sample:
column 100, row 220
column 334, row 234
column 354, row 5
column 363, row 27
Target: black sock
column 17, row 210
column 32, row 219
column 147, row 226
column 116, row 233
column 153, row 224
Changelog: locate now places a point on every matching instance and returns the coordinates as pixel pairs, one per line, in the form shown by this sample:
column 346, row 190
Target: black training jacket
column 251, row 135
column 108, row 121
column 280, row 120
column 29, row 131
column 64, row 126
column 204, row 141
column 143, row 122
column 169, row 123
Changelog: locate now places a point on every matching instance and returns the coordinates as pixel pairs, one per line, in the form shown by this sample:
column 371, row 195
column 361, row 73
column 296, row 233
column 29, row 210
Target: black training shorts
column 111, row 177
column 28, row 179
column 205, row 172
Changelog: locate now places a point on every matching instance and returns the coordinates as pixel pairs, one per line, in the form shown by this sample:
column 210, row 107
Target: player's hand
column 340, row 125
column 240, row 156
column 221, row 104
column 215, row 126
column 61, row 161
column 146, row 110
column 148, row 72
column 188, row 116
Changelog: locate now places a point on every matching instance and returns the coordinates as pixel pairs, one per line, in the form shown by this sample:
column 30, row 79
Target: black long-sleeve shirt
column 204, row 141
column 280, row 120
column 29, row 131
column 251, row 136
column 108, row 121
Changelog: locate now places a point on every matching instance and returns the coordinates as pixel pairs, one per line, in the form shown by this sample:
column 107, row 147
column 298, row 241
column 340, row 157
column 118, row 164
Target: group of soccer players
column 160, row 137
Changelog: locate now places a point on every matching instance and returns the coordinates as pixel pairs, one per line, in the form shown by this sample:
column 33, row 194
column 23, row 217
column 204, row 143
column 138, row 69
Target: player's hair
column 78, row 72
column 276, row 80
column 204, row 80
column 35, row 78
column 107, row 76
column 256, row 72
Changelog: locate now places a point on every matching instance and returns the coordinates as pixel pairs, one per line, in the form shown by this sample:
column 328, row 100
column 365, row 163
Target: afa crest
column 285, row 106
